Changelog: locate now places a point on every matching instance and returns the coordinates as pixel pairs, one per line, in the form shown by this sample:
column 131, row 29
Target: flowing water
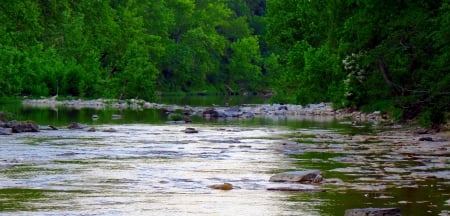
column 149, row 167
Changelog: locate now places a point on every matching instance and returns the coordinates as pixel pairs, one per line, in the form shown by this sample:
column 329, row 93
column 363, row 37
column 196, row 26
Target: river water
column 149, row 167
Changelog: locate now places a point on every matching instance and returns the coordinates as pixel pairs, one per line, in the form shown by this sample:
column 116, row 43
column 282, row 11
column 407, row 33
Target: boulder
column 190, row 130
column 233, row 112
column 247, row 115
column 304, row 176
column 25, row 126
column 373, row 212
column 224, row 186
column 282, row 107
column 210, row 113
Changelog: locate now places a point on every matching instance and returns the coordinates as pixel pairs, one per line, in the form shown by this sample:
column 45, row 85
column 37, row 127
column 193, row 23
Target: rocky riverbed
column 377, row 163
column 244, row 111
column 378, row 166
column 374, row 169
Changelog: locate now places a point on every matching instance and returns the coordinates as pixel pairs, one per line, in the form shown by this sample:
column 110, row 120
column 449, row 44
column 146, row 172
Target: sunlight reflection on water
column 149, row 170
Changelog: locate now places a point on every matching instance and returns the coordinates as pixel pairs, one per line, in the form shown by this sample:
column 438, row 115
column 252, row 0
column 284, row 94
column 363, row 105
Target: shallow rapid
column 159, row 169
column 142, row 170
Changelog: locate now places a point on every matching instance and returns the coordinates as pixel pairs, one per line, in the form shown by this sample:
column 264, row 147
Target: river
column 149, row 167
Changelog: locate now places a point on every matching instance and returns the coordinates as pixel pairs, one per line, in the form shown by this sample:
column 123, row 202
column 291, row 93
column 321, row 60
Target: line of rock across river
column 244, row 111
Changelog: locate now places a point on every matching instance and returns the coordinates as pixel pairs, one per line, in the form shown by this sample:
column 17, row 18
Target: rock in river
column 190, row 130
column 294, row 187
column 109, row 130
column 224, row 186
column 304, row 176
column 373, row 212
column 210, row 113
column 25, row 126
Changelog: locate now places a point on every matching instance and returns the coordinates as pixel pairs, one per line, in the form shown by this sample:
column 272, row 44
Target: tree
column 245, row 64
column 302, row 33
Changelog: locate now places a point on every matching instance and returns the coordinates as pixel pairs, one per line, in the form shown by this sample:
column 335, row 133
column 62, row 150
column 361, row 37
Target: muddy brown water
column 154, row 168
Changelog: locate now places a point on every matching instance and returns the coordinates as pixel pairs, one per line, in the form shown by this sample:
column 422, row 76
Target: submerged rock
column 109, row 130
column 429, row 139
column 373, row 212
column 294, row 187
column 304, row 176
column 190, row 130
column 224, row 186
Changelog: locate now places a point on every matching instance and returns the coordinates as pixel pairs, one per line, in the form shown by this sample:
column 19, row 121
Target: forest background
column 387, row 55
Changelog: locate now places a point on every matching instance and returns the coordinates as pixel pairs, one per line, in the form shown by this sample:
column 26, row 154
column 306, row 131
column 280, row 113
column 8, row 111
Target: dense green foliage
column 371, row 54
column 129, row 48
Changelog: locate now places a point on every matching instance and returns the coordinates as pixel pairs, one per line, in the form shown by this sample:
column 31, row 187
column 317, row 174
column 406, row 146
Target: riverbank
column 324, row 110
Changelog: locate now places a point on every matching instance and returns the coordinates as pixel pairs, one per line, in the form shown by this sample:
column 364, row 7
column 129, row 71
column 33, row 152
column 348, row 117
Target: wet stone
column 224, row 186
column 304, row 176
column 190, row 130
column 110, row 130
column 429, row 139
column 25, row 126
column 294, row 187
column 373, row 212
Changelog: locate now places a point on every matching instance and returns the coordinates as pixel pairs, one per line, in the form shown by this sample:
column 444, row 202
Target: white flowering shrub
column 356, row 72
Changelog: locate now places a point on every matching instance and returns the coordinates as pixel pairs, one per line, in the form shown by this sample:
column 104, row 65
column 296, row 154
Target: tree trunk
column 387, row 78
